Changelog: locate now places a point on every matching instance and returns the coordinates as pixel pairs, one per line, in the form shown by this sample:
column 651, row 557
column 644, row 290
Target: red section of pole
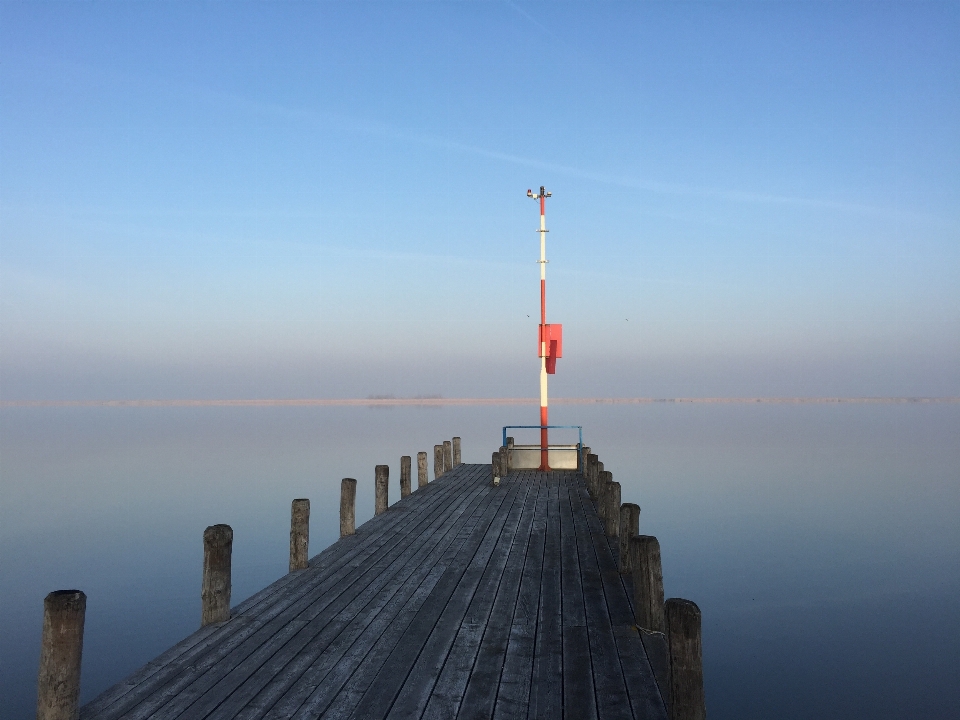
column 544, row 460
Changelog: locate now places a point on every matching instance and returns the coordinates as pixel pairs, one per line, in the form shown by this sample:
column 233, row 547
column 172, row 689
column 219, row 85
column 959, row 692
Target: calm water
column 822, row 543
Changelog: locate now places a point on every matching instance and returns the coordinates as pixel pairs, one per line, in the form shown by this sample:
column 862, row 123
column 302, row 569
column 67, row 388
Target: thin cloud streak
column 380, row 129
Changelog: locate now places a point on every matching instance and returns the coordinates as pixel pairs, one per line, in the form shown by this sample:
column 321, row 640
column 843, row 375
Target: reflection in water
column 820, row 542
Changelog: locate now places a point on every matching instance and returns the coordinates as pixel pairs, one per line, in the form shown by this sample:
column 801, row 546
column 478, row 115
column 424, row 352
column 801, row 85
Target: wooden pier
column 463, row 600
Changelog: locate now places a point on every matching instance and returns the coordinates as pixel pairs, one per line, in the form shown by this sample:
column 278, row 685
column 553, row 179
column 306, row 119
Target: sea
column 821, row 541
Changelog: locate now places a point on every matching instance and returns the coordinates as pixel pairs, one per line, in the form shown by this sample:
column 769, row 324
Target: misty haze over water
column 820, row 541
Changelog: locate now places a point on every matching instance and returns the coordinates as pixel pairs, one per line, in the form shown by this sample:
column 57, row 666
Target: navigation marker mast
column 550, row 337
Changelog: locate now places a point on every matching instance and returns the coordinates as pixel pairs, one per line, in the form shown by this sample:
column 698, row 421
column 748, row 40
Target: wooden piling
column 495, row 467
column 299, row 534
column 381, row 482
column 582, row 459
column 405, row 472
column 421, row 469
column 612, row 516
column 456, row 452
column 348, row 507
column 604, row 478
column 598, row 485
column 590, row 476
column 61, row 649
column 437, row 461
column 686, row 660
column 629, row 528
column 647, row 582
column 447, row 455
column 215, row 592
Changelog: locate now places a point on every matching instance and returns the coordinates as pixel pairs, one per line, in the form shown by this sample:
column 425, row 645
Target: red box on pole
column 550, row 338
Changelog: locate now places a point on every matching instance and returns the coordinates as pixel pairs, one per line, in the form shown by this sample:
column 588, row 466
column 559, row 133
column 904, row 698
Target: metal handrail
column 547, row 427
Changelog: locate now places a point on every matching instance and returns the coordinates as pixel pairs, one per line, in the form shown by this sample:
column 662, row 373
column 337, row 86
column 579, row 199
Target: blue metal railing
column 548, row 427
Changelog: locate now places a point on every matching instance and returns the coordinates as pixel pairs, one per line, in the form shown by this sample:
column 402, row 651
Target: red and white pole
column 544, row 415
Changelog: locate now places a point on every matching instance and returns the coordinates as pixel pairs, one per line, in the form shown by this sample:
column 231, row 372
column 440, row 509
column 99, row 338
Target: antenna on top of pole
column 550, row 345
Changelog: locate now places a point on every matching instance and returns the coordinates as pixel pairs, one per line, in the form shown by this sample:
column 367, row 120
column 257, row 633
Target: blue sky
column 328, row 199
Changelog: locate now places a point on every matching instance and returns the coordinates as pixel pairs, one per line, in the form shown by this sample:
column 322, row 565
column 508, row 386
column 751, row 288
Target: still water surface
column 821, row 542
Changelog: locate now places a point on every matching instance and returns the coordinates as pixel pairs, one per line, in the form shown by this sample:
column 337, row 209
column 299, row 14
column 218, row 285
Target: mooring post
column 591, row 474
column 613, row 509
column 447, row 455
column 61, row 649
column 456, row 452
column 299, row 534
column 647, row 582
column 582, row 460
column 421, row 469
column 215, row 592
column 604, row 478
column 405, row 476
column 437, row 461
column 348, row 506
column 686, row 660
column 495, row 467
column 598, row 486
column 629, row 529
column 381, row 481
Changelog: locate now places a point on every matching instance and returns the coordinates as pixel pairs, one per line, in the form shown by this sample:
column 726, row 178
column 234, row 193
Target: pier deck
column 463, row 600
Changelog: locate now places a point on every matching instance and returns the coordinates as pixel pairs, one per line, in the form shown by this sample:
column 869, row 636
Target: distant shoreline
column 440, row 401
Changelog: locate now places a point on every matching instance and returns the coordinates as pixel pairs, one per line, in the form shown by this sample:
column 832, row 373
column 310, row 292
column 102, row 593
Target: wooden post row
column 647, row 579
column 629, row 529
column 647, row 582
column 299, row 534
column 215, row 592
column 612, row 515
column 457, row 461
column 348, row 507
column 61, row 650
column 381, row 489
column 604, row 478
column 421, row 469
column 591, row 475
column 437, row 461
column 686, row 660
column 404, row 476
column 447, row 455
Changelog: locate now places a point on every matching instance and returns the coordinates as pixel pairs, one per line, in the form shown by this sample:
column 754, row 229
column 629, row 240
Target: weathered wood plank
column 610, row 691
column 514, row 689
column 462, row 619
column 376, row 681
column 546, row 696
column 289, row 654
column 578, row 690
column 298, row 676
column 480, row 694
column 445, row 698
column 432, row 631
column 462, row 600
column 165, row 681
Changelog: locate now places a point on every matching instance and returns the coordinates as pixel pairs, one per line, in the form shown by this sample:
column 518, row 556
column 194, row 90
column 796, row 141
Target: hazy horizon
column 271, row 200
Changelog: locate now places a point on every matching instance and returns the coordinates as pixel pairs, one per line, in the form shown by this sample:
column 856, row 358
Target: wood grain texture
column 465, row 600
